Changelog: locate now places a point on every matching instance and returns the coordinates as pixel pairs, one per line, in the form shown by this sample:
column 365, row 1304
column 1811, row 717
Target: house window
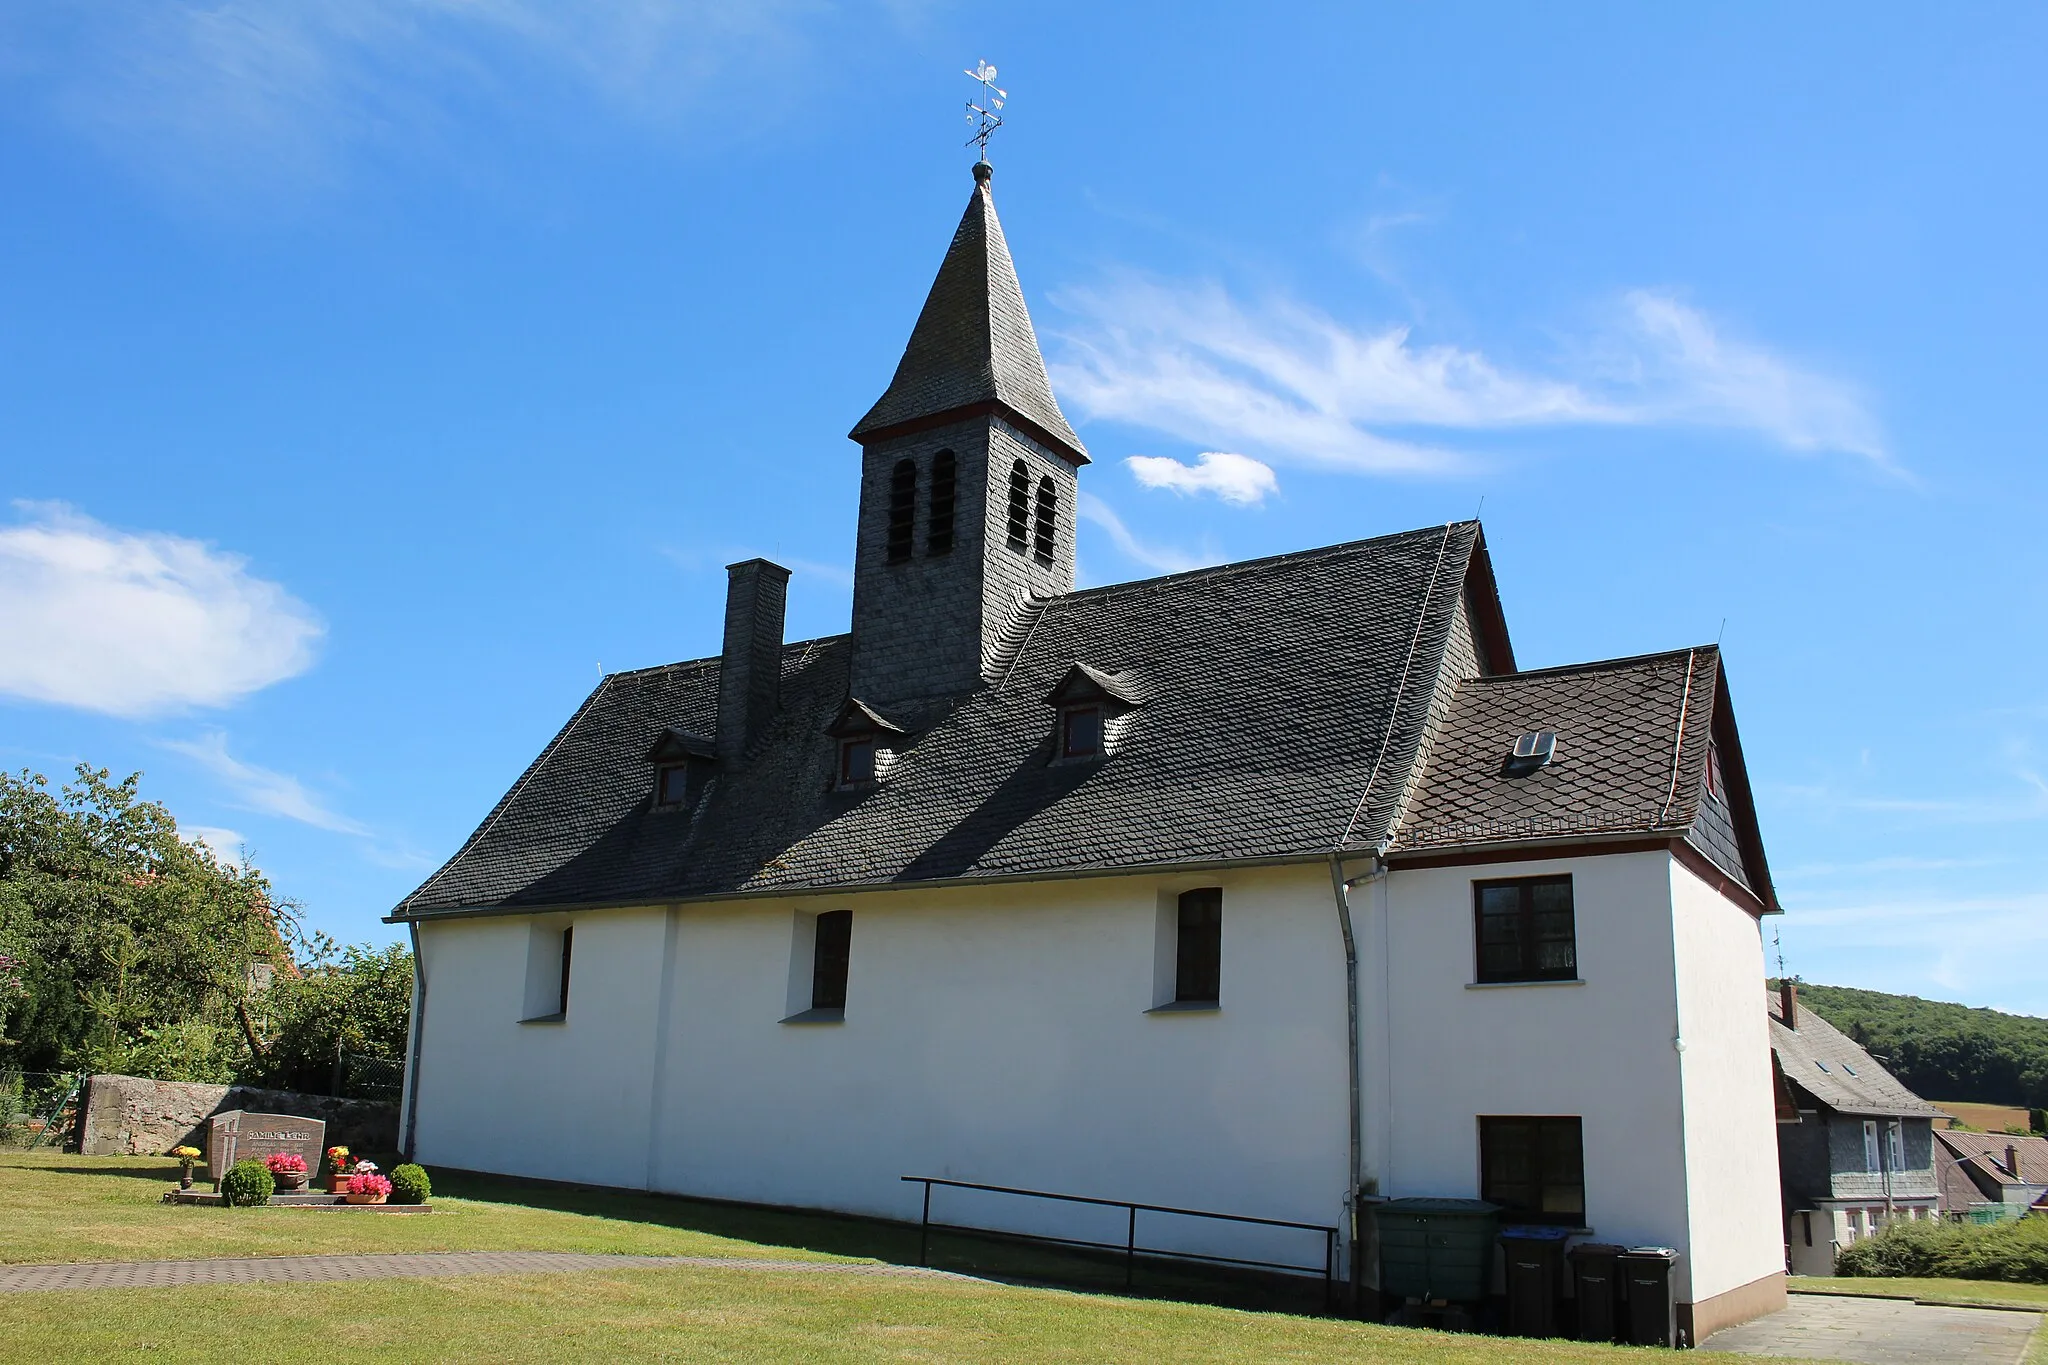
column 1870, row 1161
column 672, row 784
column 1081, row 732
column 1534, row 1168
column 1045, row 530
column 1895, row 1146
column 938, row 527
column 1020, row 505
column 857, row 761
column 1198, row 950
column 902, row 510
column 562, row 995
column 1524, row 930
column 1855, row 1224
column 829, row 955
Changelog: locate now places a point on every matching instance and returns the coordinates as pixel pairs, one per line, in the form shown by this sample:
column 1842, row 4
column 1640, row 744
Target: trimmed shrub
column 247, row 1183
column 409, row 1185
column 2015, row 1251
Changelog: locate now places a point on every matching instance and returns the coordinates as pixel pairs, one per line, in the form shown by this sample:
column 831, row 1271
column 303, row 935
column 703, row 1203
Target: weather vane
column 988, row 117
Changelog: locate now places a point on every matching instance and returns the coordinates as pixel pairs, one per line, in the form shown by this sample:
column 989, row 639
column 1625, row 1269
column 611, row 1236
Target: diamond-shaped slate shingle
column 973, row 345
column 1273, row 689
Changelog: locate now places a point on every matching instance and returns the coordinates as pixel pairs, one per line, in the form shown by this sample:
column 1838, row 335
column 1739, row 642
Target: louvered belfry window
column 1020, row 506
column 1045, row 531
column 902, row 510
column 938, row 526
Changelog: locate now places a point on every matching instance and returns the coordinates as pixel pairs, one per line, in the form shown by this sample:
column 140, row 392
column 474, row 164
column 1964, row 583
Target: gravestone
column 238, row 1135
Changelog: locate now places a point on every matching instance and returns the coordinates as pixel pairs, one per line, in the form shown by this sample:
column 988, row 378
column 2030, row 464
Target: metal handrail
column 1129, row 1246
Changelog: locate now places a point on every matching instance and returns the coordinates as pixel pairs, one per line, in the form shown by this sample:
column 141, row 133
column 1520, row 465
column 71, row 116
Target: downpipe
column 415, row 1040
column 1340, row 890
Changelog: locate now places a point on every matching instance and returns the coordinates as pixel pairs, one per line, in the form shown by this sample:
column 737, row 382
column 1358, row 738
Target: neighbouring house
column 1855, row 1147
column 1271, row 889
column 1991, row 1176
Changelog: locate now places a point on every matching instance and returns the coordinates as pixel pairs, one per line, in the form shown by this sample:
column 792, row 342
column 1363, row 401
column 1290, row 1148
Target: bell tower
column 967, row 486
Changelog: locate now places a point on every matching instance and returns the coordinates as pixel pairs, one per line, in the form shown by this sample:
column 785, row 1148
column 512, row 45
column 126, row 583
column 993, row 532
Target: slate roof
column 1631, row 757
column 1972, row 1167
column 1273, row 689
column 1827, row 1064
column 973, row 345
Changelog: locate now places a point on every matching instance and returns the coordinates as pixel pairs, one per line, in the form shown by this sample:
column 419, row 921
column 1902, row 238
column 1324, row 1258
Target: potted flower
column 337, row 1170
column 186, row 1156
column 288, row 1168
column 368, row 1187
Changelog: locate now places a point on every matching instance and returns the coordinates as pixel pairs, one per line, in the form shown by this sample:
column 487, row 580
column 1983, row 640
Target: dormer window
column 683, row 764
column 1091, row 703
column 1081, row 732
column 866, row 738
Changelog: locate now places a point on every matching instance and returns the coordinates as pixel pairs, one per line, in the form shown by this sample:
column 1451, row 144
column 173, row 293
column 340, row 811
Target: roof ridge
column 788, row 647
column 1598, row 665
column 1316, row 553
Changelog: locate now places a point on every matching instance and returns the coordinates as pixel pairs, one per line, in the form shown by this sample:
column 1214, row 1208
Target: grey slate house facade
column 1132, row 892
column 1856, row 1149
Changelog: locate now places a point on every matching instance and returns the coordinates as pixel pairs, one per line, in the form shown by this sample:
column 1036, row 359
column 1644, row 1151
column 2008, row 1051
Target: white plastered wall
column 1731, row 1146
column 996, row 1034
column 1602, row 1050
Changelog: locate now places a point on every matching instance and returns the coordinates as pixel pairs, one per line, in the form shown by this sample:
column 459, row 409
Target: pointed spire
column 973, row 349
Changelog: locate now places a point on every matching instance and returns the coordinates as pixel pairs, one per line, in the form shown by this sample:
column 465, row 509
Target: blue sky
column 374, row 373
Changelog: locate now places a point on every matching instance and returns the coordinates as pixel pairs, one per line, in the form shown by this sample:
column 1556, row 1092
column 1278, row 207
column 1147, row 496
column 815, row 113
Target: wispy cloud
column 1164, row 558
column 225, row 844
column 1286, row 382
column 1233, row 478
column 202, row 92
column 138, row 623
column 263, row 790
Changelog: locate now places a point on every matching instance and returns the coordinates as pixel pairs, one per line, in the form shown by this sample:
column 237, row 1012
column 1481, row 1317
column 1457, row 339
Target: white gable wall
column 1731, row 1133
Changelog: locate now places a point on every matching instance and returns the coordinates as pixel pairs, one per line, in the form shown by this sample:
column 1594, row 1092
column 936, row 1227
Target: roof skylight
column 1535, row 748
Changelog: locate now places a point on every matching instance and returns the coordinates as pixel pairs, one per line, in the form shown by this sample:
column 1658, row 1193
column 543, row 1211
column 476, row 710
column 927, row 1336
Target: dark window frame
column 1529, row 938
column 1020, row 507
column 665, row 796
column 562, row 995
column 902, row 511
column 831, row 955
column 857, row 760
column 1082, row 713
column 1045, row 524
column 1198, row 947
column 1534, row 1167
column 940, row 502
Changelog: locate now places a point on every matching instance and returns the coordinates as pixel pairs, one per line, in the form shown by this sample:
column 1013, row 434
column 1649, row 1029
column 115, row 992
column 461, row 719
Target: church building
column 1273, row 889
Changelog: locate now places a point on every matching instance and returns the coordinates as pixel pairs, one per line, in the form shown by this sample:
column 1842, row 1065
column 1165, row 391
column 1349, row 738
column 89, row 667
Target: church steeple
column 967, row 482
column 973, row 347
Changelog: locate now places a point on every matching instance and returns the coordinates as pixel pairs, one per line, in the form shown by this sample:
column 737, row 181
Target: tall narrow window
column 1895, row 1145
column 1524, row 930
column 829, row 957
column 1870, row 1158
column 562, row 1000
column 1020, row 505
column 1198, row 955
column 1045, row 532
column 902, row 510
column 1534, row 1169
column 938, row 525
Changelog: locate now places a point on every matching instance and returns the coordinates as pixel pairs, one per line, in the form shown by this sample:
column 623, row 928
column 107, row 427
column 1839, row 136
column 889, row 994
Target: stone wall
column 135, row 1116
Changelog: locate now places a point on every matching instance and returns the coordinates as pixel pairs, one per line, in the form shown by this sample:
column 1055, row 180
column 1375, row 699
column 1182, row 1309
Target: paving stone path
column 1882, row 1332
column 311, row 1269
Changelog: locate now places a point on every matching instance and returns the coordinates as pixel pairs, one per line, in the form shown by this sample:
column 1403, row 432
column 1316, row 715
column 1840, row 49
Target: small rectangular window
column 830, row 954
column 1198, row 952
column 1524, row 930
column 672, row 786
column 1081, row 732
column 1534, row 1168
column 568, row 941
column 1870, row 1145
column 856, row 762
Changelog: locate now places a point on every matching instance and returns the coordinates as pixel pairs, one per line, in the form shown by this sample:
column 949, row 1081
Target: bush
column 409, row 1185
column 2016, row 1251
column 247, row 1183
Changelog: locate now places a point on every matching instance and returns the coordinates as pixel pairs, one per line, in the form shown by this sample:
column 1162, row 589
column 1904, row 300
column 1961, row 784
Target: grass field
column 1932, row 1291
column 64, row 1208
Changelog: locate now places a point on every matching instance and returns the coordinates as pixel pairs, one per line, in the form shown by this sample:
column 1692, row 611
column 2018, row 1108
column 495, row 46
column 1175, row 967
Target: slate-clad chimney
column 750, row 668
column 1788, row 999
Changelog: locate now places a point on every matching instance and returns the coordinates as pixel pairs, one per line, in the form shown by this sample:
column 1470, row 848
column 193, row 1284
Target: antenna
column 986, row 117
column 1778, row 942
column 1722, row 631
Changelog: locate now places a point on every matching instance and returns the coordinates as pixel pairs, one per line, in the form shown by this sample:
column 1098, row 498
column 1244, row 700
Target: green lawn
column 66, row 1208
column 1933, row 1291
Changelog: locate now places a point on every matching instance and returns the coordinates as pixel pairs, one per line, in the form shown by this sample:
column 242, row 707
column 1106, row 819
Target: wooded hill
column 1942, row 1051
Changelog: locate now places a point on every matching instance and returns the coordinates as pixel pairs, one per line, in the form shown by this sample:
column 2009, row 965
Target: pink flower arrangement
column 285, row 1163
column 369, row 1183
